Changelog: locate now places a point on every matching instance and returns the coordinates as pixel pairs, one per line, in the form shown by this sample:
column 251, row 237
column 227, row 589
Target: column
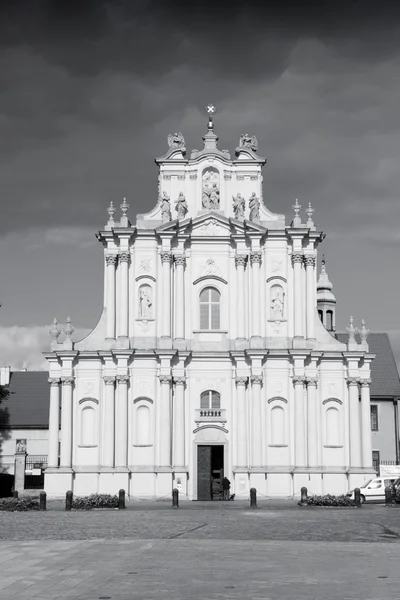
column 300, row 441
column 180, row 262
column 109, row 422
column 121, row 429
column 54, row 422
column 179, row 422
column 123, row 259
column 355, row 431
column 240, row 261
column 66, row 422
column 309, row 262
column 297, row 262
column 366, row 423
column 165, row 422
column 111, row 261
column 166, row 258
column 241, row 430
column 255, row 258
column 256, row 433
column 312, row 429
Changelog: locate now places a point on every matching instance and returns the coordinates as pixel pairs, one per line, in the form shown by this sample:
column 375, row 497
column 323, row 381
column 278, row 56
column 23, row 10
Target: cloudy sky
column 90, row 89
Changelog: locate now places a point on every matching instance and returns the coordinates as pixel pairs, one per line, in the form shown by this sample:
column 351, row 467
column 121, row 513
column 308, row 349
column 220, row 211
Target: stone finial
column 296, row 209
column 54, row 331
column 111, row 213
column 124, row 209
column 351, row 330
column 68, row 329
column 363, row 332
column 309, row 212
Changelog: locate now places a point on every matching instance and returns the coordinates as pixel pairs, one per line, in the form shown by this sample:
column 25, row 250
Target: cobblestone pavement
column 201, row 552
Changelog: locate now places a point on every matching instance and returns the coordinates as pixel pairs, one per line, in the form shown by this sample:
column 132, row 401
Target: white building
column 210, row 358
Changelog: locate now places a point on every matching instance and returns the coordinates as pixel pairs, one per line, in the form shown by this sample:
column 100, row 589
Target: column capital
column 365, row 382
column 166, row 257
column 297, row 257
column 54, row 381
column 109, row 379
column 241, row 381
column 166, row 379
column 255, row 258
column 67, row 380
column 256, row 380
column 352, row 380
column 124, row 257
column 180, row 259
column 111, row 259
column 309, row 261
column 299, row 379
column 312, row 381
column 122, row 378
column 179, row 380
column 240, row 260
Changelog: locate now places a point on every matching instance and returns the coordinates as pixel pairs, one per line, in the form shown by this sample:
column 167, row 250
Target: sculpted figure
column 210, row 194
column 176, row 140
column 181, row 206
column 238, row 206
column 277, row 304
column 254, row 205
column 21, row 446
column 247, row 141
column 214, row 197
column 165, row 208
column 144, row 304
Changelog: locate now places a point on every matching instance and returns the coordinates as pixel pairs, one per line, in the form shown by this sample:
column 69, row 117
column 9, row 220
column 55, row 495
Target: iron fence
column 34, row 472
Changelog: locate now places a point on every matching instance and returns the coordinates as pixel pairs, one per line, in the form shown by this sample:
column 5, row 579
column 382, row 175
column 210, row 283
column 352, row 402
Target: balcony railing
column 210, row 414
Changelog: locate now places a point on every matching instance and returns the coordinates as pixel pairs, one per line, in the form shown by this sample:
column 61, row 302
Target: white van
column 374, row 489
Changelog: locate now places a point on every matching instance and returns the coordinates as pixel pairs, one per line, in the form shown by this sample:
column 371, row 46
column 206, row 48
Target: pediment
column 211, row 224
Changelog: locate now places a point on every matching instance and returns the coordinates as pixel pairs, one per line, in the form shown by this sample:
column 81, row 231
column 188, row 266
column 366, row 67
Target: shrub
column 329, row 500
column 95, row 501
column 18, row 504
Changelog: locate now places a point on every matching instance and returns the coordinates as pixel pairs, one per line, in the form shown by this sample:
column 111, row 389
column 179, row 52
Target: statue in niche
column 165, row 208
column 20, row 446
column 176, row 140
column 254, row 206
column 145, row 303
column 181, row 206
column 277, row 303
column 238, row 206
column 210, row 196
column 248, row 141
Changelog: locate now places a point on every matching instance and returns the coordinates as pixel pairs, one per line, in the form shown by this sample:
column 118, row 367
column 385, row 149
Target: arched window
column 278, row 434
column 210, row 400
column 329, row 320
column 210, row 301
column 321, row 315
column 332, row 427
column 88, row 427
column 142, row 426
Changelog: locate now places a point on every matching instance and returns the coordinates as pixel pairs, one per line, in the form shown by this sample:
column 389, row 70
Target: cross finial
column 210, row 108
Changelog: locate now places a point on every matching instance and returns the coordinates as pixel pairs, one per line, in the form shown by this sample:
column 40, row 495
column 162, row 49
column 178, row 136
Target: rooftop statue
column 176, row 140
column 165, row 208
column 238, row 206
column 247, row 141
column 181, row 206
column 254, row 205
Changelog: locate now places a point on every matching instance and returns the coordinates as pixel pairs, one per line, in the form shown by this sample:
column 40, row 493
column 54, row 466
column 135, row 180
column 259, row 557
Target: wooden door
column 203, row 472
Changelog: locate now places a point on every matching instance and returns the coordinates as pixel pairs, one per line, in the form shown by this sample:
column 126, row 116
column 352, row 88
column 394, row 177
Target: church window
column 142, row 426
column 332, row 427
column 88, row 427
column 278, row 437
column 210, row 301
column 210, row 400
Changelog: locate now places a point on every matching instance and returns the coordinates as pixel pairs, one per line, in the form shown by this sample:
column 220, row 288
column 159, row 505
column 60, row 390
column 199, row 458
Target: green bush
column 328, row 500
column 18, row 504
column 95, row 501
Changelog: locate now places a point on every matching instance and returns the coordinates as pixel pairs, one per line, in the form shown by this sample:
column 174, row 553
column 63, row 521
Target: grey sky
column 90, row 90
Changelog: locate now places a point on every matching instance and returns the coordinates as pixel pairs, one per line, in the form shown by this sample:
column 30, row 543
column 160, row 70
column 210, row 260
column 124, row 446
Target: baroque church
column 214, row 355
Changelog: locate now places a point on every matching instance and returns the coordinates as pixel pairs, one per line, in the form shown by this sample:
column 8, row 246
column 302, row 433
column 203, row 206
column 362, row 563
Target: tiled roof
column 384, row 375
column 28, row 403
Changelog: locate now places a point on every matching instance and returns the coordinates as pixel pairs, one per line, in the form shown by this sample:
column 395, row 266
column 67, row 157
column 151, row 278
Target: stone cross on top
column 210, row 108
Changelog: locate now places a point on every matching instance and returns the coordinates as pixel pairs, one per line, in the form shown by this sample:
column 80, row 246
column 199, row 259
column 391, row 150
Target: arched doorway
column 211, row 462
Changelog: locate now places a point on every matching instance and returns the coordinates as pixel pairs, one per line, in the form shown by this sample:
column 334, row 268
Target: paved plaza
column 212, row 551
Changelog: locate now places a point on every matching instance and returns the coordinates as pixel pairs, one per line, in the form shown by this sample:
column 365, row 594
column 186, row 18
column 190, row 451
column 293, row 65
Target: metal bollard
column 42, row 500
column 357, row 497
column 121, row 499
column 303, row 492
column 175, row 498
column 68, row 500
column 15, row 494
column 253, row 498
column 389, row 499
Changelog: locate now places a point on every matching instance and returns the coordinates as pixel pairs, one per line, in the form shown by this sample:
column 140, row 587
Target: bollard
column 303, row 492
column 42, row 500
column 357, row 497
column 389, row 499
column 121, row 499
column 68, row 500
column 15, row 494
column 175, row 498
column 253, row 498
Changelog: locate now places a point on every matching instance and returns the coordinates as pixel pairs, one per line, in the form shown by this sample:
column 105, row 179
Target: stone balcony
column 214, row 415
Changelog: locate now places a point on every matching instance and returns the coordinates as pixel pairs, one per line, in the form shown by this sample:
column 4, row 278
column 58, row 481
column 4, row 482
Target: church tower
column 326, row 301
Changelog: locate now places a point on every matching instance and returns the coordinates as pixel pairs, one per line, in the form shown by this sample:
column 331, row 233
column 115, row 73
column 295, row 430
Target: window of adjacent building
column 210, row 302
column 374, row 417
column 210, row 400
column 376, row 461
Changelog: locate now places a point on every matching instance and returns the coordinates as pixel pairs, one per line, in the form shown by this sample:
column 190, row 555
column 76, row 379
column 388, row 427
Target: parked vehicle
column 374, row 489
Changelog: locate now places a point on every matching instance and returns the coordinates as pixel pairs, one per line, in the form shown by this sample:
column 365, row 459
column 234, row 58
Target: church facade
column 210, row 358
